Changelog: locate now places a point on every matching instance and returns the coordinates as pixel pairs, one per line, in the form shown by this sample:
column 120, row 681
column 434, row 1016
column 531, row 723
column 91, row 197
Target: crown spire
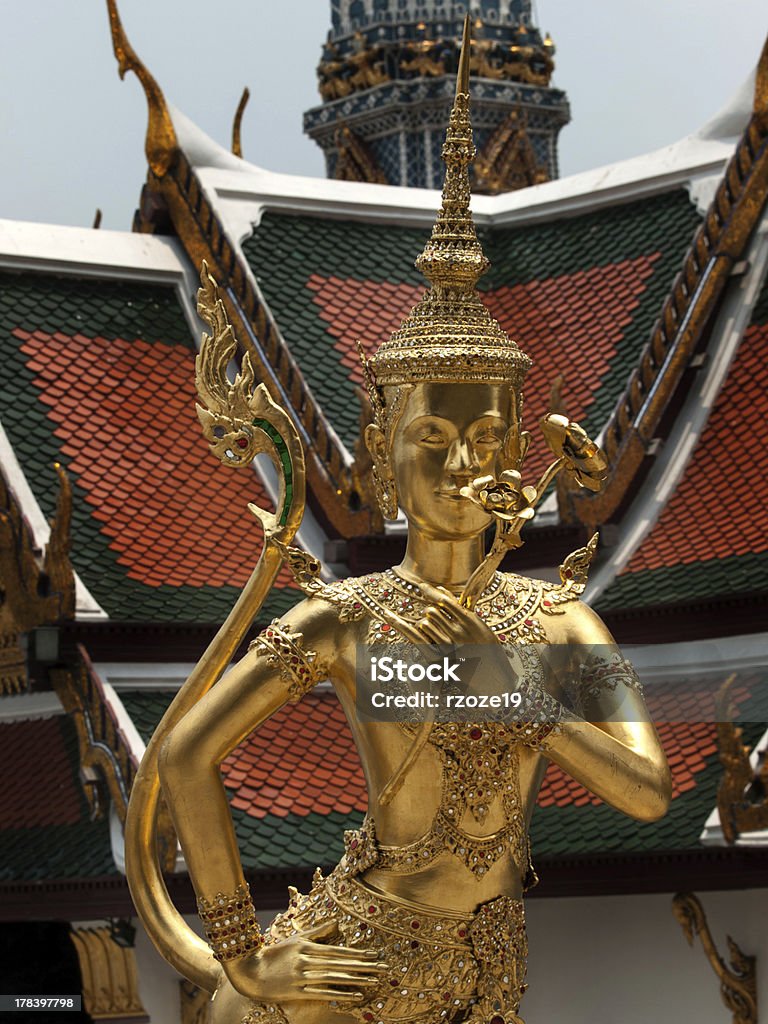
column 453, row 257
column 450, row 335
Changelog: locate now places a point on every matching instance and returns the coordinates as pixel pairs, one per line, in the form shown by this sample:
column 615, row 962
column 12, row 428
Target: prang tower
column 387, row 77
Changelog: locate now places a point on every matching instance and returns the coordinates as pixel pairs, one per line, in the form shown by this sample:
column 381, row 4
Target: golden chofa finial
column 160, row 143
column 450, row 335
column 237, row 145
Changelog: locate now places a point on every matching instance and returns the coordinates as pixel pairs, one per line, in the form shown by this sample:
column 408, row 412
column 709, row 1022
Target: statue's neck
column 443, row 563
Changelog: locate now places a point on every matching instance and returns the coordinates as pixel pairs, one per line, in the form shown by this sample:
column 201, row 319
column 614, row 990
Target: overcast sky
column 638, row 75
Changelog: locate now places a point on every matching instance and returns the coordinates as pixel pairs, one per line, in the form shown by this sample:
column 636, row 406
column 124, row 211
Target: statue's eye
column 433, row 437
column 488, row 437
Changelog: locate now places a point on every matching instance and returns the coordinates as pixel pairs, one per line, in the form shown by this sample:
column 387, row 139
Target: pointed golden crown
column 450, row 335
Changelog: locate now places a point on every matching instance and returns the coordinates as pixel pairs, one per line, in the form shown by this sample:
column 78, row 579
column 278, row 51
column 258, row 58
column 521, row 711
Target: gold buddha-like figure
column 422, row 921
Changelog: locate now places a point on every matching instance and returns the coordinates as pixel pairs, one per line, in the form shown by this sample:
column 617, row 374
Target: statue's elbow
column 656, row 797
column 173, row 760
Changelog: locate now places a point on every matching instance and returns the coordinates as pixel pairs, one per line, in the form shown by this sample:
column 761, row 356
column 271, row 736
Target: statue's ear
column 515, row 447
column 376, row 442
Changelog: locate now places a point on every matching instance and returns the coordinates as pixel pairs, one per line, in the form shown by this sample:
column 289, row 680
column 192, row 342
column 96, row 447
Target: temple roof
column 97, row 373
column 720, row 490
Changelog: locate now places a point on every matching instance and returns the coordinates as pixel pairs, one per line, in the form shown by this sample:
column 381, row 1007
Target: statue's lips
column 452, row 495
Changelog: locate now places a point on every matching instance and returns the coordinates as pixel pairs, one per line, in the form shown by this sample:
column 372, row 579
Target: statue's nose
column 460, row 461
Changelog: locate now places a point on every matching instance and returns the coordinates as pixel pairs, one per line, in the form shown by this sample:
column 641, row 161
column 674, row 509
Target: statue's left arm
column 611, row 745
column 282, row 664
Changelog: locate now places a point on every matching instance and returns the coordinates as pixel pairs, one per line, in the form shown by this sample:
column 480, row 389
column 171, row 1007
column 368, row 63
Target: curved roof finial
column 160, row 143
column 237, row 145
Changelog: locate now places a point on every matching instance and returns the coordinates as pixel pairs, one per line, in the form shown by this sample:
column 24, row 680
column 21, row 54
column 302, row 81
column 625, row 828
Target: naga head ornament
column 449, row 336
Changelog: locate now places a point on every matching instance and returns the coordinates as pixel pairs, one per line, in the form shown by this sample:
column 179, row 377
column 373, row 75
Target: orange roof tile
column 125, row 410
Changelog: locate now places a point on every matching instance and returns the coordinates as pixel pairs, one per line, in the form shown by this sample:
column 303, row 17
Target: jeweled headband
column 450, row 335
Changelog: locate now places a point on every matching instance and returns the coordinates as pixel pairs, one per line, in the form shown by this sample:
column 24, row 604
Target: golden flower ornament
column 505, row 498
column 582, row 458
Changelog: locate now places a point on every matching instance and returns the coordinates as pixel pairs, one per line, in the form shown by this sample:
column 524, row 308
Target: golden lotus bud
column 585, row 460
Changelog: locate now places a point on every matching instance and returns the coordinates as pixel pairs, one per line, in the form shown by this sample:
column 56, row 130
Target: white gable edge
column 253, row 191
column 700, row 153
column 680, row 446
column 25, row 707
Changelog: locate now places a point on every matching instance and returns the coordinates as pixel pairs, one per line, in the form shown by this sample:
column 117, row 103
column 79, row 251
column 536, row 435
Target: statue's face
column 447, row 435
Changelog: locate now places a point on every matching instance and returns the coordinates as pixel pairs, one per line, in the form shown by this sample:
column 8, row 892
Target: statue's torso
column 456, row 832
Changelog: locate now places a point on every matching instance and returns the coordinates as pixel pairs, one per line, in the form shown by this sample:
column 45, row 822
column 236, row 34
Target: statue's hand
column 304, row 967
column 445, row 621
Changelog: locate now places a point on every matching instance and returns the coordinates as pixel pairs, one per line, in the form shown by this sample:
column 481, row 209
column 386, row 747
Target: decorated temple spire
column 386, row 80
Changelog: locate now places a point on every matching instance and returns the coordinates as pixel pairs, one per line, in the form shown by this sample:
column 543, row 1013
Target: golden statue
column 422, row 921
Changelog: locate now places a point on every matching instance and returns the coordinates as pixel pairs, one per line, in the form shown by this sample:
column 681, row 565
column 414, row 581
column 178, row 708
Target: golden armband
column 230, row 924
column 285, row 650
column 599, row 674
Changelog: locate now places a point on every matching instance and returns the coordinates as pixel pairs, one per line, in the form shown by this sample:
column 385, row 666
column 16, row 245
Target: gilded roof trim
column 717, row 245
column 173, row 188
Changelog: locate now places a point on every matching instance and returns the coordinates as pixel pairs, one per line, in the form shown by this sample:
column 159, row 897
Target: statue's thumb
column 326, row 930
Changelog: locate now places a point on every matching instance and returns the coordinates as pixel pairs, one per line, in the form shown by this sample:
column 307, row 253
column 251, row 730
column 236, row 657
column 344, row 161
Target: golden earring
column 386, row 494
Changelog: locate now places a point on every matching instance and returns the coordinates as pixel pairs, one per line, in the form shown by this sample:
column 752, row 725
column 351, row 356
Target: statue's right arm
column 246, row 696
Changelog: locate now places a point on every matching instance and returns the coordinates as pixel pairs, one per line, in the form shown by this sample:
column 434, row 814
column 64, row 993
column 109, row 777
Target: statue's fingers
column 453, row 628
column 325, row 953
column 318, row 963
column 349, row 963
column 440, row 596
column 340, row 978
column 433, row 632
column 332, row 993
column 327, row 929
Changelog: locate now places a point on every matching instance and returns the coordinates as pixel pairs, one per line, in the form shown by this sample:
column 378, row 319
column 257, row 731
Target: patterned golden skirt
column 444, row 967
